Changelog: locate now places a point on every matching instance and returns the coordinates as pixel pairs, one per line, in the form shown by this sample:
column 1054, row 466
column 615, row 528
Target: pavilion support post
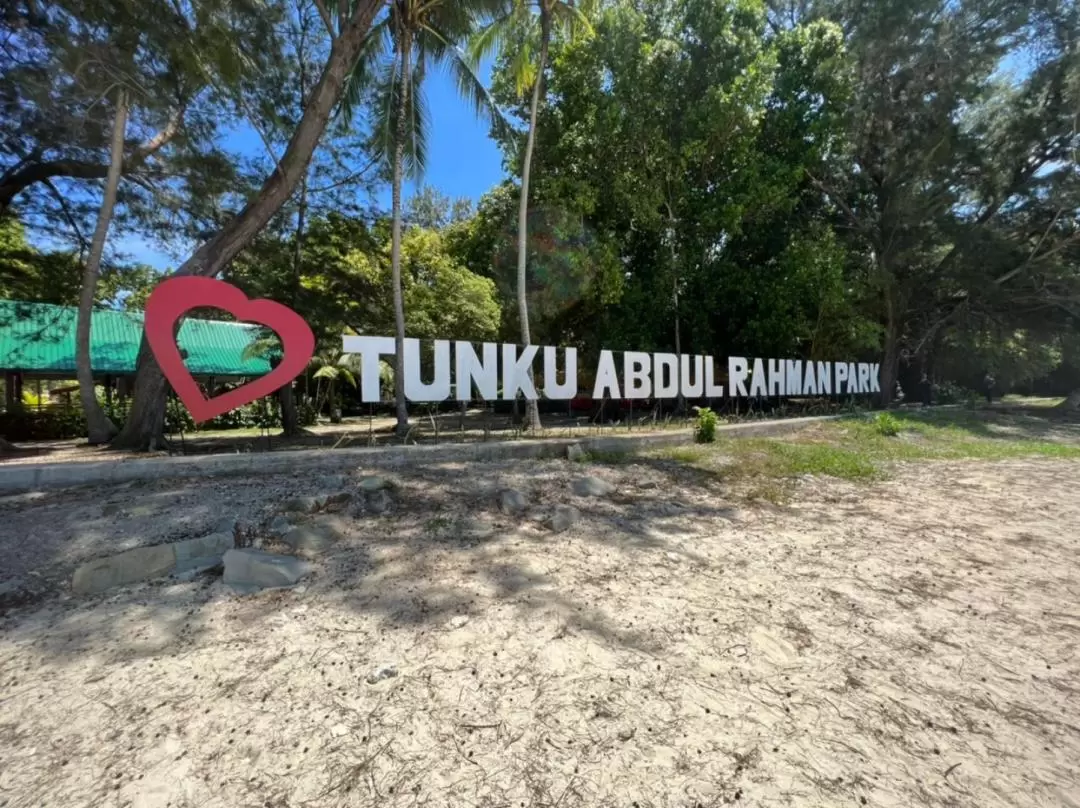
column 9, row 391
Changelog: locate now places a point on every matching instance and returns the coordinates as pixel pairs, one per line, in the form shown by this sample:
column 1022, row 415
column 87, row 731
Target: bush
column 706, row 425
column 886, row 424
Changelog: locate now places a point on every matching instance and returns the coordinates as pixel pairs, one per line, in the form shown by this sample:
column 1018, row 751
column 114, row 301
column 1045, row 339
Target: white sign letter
column 793, row 381
column 691, row 390
column 841, row 377
column 824, row 378
column 737, row 371
column 712, row 390
column 636, row 382
column 776, row 377
column 758, row 385
column 515, row 370
column 607, row 381
column 439, row 389
column 809, row 384
column 468, row 370
column 552, row 389
column 665, row 375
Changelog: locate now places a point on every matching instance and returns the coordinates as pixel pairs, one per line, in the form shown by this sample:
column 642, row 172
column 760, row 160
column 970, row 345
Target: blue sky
column 462, row 159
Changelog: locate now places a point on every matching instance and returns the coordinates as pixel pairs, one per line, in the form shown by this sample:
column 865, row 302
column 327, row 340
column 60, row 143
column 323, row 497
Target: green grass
column 863, row 448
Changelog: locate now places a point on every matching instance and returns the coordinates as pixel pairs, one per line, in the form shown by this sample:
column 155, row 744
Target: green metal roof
column 40, row 338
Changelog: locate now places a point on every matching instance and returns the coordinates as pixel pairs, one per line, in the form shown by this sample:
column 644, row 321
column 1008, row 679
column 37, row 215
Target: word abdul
column 644, row 375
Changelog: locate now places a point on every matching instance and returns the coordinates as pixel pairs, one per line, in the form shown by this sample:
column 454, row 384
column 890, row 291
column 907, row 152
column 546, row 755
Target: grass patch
column 864, row 447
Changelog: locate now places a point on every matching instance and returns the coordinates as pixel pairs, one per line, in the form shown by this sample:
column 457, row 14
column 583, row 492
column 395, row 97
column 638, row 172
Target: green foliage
column 705, row 429
column 886, row 424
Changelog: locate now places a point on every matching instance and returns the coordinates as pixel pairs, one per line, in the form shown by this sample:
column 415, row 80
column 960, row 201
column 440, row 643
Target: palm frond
column 347, row 375
column 328, row 372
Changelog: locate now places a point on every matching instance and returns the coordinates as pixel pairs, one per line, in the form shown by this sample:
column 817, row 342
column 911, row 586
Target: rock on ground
column 145, row 563
column 248, row 569
column 380, row 673
column 564, row 518
column 511, row 501
column 591, row 487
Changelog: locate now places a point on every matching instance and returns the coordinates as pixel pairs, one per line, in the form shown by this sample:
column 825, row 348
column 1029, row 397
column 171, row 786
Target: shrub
column 886, row 424
column 706, row 425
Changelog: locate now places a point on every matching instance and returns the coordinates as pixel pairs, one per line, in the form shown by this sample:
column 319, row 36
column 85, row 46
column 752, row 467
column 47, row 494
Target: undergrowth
column 860, row 448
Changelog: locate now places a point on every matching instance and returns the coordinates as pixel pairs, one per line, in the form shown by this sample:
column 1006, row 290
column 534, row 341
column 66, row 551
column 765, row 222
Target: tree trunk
column 99, row 428
column 532, row 411
column 891, row 360
column 144, row 424
column 680, row 403
column 395, row 243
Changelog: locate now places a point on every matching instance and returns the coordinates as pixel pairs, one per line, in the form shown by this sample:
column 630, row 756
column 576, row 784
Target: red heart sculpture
column 176, row 296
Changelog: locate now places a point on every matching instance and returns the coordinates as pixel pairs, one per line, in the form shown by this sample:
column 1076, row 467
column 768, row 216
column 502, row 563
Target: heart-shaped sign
column 174, row 297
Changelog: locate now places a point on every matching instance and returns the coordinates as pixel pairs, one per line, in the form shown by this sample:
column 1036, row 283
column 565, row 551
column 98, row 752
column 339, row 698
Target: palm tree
column 333, row 368
column 413, row 36
column 536, row 19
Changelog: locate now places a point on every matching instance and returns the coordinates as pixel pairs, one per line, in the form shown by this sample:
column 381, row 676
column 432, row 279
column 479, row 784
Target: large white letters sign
column 464, row 373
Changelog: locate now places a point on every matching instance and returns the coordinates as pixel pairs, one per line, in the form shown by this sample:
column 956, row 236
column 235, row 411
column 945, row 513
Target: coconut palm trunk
column 98, row 426
column 532, row 412
column 401, row 126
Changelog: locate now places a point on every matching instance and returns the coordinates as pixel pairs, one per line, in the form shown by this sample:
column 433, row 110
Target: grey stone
column 335, row 500
column 128, row 567
column 374, row 483
column 213, row 545
column 311, row 539
column 511, row 501
column 460, row 621
column 564, row 518
column 248, row 569
column 230, row 524
column 13, row 592
column 379, row 501
column 648, row 485
column 279, row 526
column 576, row 452
column 380, row 673
column 591, row 487
column 301, row 505
column 110, row 509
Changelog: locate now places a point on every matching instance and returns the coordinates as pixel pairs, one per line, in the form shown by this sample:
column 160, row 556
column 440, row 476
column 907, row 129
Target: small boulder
column 591, row 487
column 379, row 501
column 229, row 524
column 279, row 526
column 335, row 501
column 460, row 621
column 380, row 673
column 248, row 570
column 315, row 536
column 301, row 505
column 374, row 483
column 564, row 518
column 511, row 501
column 131, row 566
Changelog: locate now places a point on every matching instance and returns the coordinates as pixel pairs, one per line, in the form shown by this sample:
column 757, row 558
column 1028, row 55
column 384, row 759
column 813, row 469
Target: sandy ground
column 911, row 643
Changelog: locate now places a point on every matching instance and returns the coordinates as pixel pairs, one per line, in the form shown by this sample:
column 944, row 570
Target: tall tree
column 99, row 428
column 348, row 32
column 416, row 35
column 519, row 29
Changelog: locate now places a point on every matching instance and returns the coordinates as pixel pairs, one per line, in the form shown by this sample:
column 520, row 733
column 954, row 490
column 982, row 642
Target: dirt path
column 907, row 644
